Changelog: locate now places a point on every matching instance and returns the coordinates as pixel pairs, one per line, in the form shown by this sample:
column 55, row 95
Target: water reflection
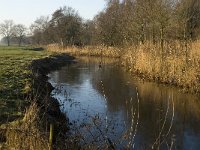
column 108, row 96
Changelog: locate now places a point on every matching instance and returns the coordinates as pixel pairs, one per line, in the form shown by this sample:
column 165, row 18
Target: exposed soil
column 49, row 107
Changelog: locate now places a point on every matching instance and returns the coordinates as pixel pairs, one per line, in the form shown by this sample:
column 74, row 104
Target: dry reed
column 172, row 68
column 26, row 134
column 86, row 51
column 150, row 63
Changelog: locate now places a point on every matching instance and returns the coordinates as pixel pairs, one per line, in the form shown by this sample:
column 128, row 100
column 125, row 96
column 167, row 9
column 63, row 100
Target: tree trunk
column 153, row 36
column 186, row 46
column 162, row 42
column 20, row 41
column 141, row 35
column 8, row 41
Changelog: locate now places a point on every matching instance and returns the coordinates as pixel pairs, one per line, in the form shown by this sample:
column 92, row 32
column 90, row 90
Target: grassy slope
column 14, row 79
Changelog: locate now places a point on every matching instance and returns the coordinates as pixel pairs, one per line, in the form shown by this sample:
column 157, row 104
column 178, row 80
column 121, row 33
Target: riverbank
column 105, row 102
column 15, row 78
column 172, row 67
column 49, row 107
column 175, row 65
column 32, row 128
column 96, row 51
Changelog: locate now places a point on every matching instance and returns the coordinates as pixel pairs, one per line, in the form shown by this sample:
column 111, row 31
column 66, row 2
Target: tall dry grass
column 171, row 67
column 148, row 61
column 26, row 134
column 86, row 51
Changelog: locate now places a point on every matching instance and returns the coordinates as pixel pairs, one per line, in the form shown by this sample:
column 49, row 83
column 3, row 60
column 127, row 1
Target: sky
column 27, row 11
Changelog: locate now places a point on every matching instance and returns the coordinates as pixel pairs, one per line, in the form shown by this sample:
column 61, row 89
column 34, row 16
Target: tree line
column 64, row 27
column 136, row 21
column 12, row 32
column 121, row 23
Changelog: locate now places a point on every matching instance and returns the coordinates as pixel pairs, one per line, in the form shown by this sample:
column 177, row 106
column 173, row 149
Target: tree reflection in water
column 109, row 108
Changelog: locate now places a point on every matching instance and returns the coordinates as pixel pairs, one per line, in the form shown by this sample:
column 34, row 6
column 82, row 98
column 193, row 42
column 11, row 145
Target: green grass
column 15, row 79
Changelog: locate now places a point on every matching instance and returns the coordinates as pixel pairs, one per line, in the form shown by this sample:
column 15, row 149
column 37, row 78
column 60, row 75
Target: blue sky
column 26, row 11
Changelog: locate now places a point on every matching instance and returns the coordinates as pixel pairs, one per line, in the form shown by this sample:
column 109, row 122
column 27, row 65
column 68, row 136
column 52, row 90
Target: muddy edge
column 41, row 93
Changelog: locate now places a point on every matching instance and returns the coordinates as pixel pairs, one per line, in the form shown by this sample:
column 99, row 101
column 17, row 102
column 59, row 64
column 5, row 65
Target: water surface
column 107, row 106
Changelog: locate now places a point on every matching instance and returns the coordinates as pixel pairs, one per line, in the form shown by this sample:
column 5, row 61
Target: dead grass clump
column 171, row 67
column 85, row 51
column 175, row 64
column 25, row 134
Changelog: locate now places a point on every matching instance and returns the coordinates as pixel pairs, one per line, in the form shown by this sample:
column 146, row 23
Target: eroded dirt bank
column 49, row 107
column 33, row 130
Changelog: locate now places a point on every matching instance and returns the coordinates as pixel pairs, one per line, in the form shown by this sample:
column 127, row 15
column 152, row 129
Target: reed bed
column 170, row 68
column 177, row 64
column 86, row 51
column 26, row 133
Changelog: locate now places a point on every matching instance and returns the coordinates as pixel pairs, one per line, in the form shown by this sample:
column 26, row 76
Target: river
column 110, row 108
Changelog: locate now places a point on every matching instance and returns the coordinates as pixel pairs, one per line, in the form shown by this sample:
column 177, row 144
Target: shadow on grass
column 35, row 49
column 8, row 118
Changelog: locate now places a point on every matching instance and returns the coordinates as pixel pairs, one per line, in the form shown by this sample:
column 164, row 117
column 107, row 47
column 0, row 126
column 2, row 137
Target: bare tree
column 188, row 21
column 109, row 24
column 19, row 32
column 66, row 25
column 38, row 29
column 7, row 30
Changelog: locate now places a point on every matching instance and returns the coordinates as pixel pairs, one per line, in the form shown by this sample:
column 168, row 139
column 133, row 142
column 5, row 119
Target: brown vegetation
column 86, row 51
column 146, row 60
column 32, row 132
column 174, row 69
column 157, row 39
column 26, row 134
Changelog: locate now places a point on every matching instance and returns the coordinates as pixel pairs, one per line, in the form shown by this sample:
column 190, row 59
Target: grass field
column 15, row 80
